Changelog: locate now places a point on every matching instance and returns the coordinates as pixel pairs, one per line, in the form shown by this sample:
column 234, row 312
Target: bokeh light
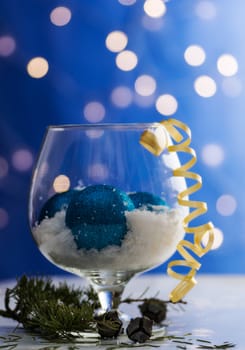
column 22, row 160
column 116, row 41
column 7, row 45
column 94, row 112
column 205, row 86
column 226, row 205
column 126, row 60
column 152, row 24
column 94, row 134
column 213, row 154
column 166, row 104
column 155, row 8
column 4, row 218
column 37, row 67
column 145, row 85
column 218, row 238
column 194, row 55
column 127, row 2
column 4, row 167
column 61, row 183
column 232, row 86
column 60, row 16
column 227, row 65
column 206, row 10
column 98, row 172
column 122, row 96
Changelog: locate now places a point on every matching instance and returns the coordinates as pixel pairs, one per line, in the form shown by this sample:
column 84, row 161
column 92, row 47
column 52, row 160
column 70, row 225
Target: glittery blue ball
column 98, row 236
column 58, row 202
column 96, row 216
column 146, row 200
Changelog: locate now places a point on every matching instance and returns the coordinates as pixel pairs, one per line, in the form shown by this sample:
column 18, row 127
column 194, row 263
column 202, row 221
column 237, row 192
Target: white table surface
column 215, row 311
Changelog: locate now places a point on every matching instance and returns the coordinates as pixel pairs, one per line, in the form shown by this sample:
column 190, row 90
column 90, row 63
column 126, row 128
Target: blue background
column 82, row 69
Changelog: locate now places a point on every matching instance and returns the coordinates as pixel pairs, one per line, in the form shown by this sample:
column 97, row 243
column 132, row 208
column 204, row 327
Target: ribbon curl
column 154, row 143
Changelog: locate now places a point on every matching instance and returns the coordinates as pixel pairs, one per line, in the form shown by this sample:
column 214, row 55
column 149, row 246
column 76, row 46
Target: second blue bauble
column 146, row 200
column 96, row 216
column 56, row 203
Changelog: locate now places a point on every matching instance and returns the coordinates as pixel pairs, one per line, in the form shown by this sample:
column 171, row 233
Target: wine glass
column 102, row 206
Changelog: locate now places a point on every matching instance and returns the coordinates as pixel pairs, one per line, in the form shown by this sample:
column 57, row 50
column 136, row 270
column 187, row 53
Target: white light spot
column 166, row 104
column 227, row 65
column 145, row 85
column 37, row 67
column 121, row 96
column 226, row 205
column 3, row 167
column 213, row 155
column 155, row 8
column 94, row 134
column 152, row 24
column 22, row 160
column 232, row 87
column 98, row 172
column 205, row 86
column 60, row 16
column 127, row 2
column 218, row 238
column 61, row 183
column 94, row 112
column 126, row 60
column 116, row 41
column 7, row 45
column 4, row 218
column 206, row 10
column 194, row 55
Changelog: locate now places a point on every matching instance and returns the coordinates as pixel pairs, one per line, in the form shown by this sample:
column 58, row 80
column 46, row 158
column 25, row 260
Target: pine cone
column 139, row 329
column 154, row 309
column 108, row 324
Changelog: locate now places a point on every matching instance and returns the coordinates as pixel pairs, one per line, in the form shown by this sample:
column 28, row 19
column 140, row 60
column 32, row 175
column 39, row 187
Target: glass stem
column 110, row 299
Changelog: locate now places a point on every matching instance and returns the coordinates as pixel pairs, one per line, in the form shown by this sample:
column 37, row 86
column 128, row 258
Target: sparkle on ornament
column 166, row 104
column 22, row 160
column 37, row 67
column 94, row 112
column 126, row 60
column 7, row 45
column 60, row 16
column 61, row 184
column 155, row 8
column 227, row 65
column 213, row 154
column 121, row 96
column 226, row 205
column 116, row 41
column 205, row 86
column 194, row 55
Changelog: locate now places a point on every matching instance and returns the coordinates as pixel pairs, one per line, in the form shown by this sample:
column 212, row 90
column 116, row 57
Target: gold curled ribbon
column 153, row 142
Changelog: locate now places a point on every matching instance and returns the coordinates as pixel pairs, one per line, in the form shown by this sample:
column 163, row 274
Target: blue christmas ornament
column 96, row 216
column 56, row 203
column 146, row 200
column 98, row 236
